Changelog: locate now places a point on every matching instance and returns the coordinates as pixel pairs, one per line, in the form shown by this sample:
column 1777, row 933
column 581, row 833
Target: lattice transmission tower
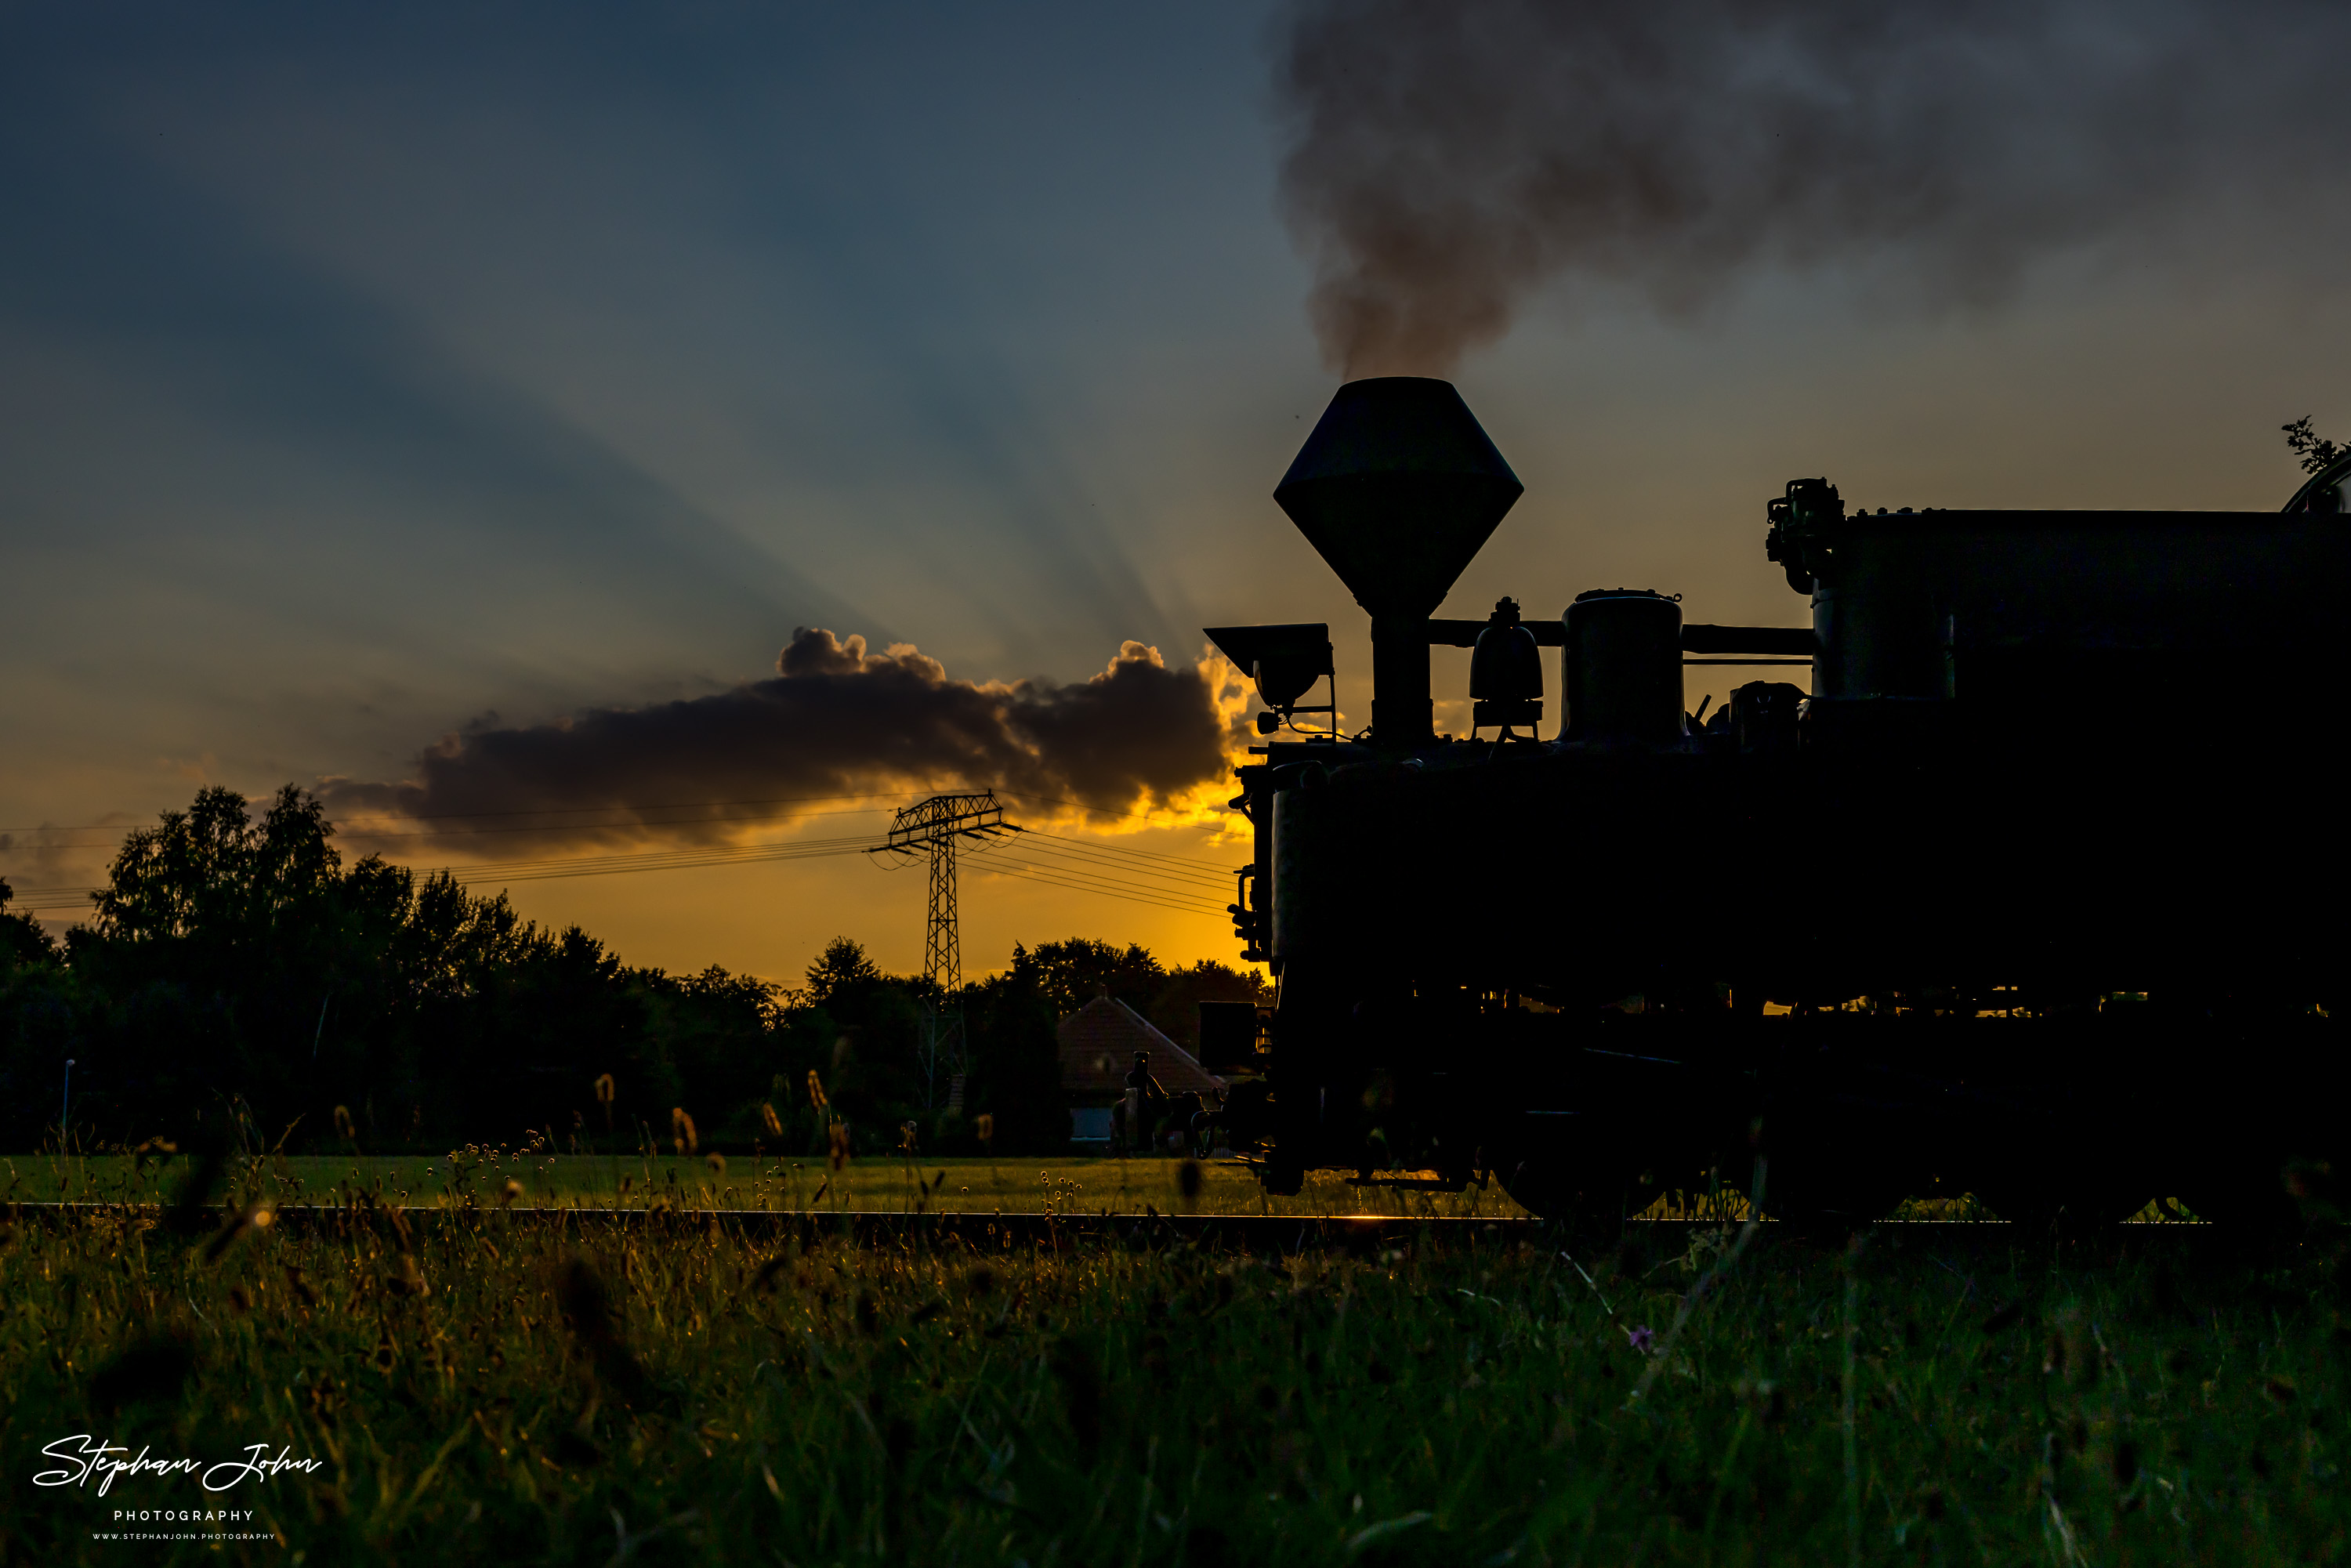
column 938, row 826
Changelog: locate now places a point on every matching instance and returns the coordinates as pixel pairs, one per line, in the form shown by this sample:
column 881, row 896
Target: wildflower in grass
column 715, row 1163
column 985, row 1124
column 681, row 1126
column 815, row 1093
column 344, row 1129
column 1641, row 1337
column 768, row 1119
column 604, row 1090
column 837, row 1136
column 511, row 1194
column 906, row 1138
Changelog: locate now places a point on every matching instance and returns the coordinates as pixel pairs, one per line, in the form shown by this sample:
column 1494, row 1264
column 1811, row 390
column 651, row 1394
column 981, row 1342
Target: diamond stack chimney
column 1398, row 489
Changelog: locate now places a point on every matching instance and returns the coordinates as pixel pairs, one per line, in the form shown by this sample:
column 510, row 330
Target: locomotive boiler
column 2024, row 881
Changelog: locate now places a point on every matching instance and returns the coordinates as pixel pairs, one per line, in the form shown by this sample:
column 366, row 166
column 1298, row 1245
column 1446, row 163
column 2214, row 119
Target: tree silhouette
column 1068, row 975
column 234, row 955
column 841, row 971
column 2317, row 452
column 23, row 943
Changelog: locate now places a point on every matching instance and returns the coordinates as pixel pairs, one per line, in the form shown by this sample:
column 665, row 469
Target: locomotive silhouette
column 2034, row 889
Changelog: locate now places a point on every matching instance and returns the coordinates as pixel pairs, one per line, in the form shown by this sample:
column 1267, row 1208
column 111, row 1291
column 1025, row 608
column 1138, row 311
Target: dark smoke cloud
column 1449, row 156
column 834, row 720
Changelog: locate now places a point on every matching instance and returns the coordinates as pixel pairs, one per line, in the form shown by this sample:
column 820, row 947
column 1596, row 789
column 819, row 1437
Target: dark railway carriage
column 2034, row 889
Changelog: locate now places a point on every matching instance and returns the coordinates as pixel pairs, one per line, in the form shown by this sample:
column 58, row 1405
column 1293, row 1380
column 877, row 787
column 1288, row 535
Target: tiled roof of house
column 1098, row 1046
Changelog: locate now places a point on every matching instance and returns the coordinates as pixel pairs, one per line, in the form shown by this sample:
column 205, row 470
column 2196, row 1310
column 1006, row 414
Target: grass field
column 510, row 1388
column 636, row 1182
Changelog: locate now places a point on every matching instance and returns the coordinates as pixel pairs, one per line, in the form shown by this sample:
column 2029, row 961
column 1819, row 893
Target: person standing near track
column 1143, row 1097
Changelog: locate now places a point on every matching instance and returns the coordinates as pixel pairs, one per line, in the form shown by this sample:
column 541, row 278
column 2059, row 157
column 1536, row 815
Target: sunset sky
column 372, row 375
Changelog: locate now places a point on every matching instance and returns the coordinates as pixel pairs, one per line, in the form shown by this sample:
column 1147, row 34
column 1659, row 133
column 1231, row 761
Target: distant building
column 1098, row 1046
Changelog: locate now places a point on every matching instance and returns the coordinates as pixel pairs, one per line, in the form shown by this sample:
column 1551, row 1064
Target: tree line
column 236, row 972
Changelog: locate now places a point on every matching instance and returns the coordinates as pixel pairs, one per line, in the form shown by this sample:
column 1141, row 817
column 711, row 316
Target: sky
column 389, row 394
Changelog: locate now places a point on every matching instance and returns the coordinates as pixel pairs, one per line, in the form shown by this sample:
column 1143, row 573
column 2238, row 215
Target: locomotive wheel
column 2249, row 1209
column 1832, row 1206
column 1589, row 1203
column 2062, row 1212
column 1560, row 1171
column 1831, row 1169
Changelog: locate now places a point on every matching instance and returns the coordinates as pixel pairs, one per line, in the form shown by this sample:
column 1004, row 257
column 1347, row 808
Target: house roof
column 1098, row 1046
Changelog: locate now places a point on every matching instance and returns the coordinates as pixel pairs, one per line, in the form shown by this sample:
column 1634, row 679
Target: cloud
column 834, row 719
column 1448, row 159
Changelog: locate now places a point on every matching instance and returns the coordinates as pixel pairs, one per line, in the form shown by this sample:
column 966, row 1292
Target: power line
column 560, row 810
column 1080, row 871
column 1169, row 889
column 1215, row 877
column 1105, row 810
column 696, row 864
column 667, row 806
column 543, row 868
column 344, row 829
column 372, row 834
column 1199, row 910
column 52, row 899
column 649, row 860
column 1122, row 848
column 1169, row 882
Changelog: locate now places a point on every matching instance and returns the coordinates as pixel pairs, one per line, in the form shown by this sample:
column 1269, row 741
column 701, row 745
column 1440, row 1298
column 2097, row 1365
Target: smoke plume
column 834, row 719
column 1450, row 156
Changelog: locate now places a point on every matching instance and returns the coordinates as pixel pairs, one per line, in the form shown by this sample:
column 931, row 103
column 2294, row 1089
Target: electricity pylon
column 935, row 825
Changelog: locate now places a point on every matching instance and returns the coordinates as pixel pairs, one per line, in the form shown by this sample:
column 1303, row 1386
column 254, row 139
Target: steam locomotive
column 2034, row 889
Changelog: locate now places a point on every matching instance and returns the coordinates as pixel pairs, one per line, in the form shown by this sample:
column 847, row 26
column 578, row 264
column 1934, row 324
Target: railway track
column 995, row 1232
column 873, row 1227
